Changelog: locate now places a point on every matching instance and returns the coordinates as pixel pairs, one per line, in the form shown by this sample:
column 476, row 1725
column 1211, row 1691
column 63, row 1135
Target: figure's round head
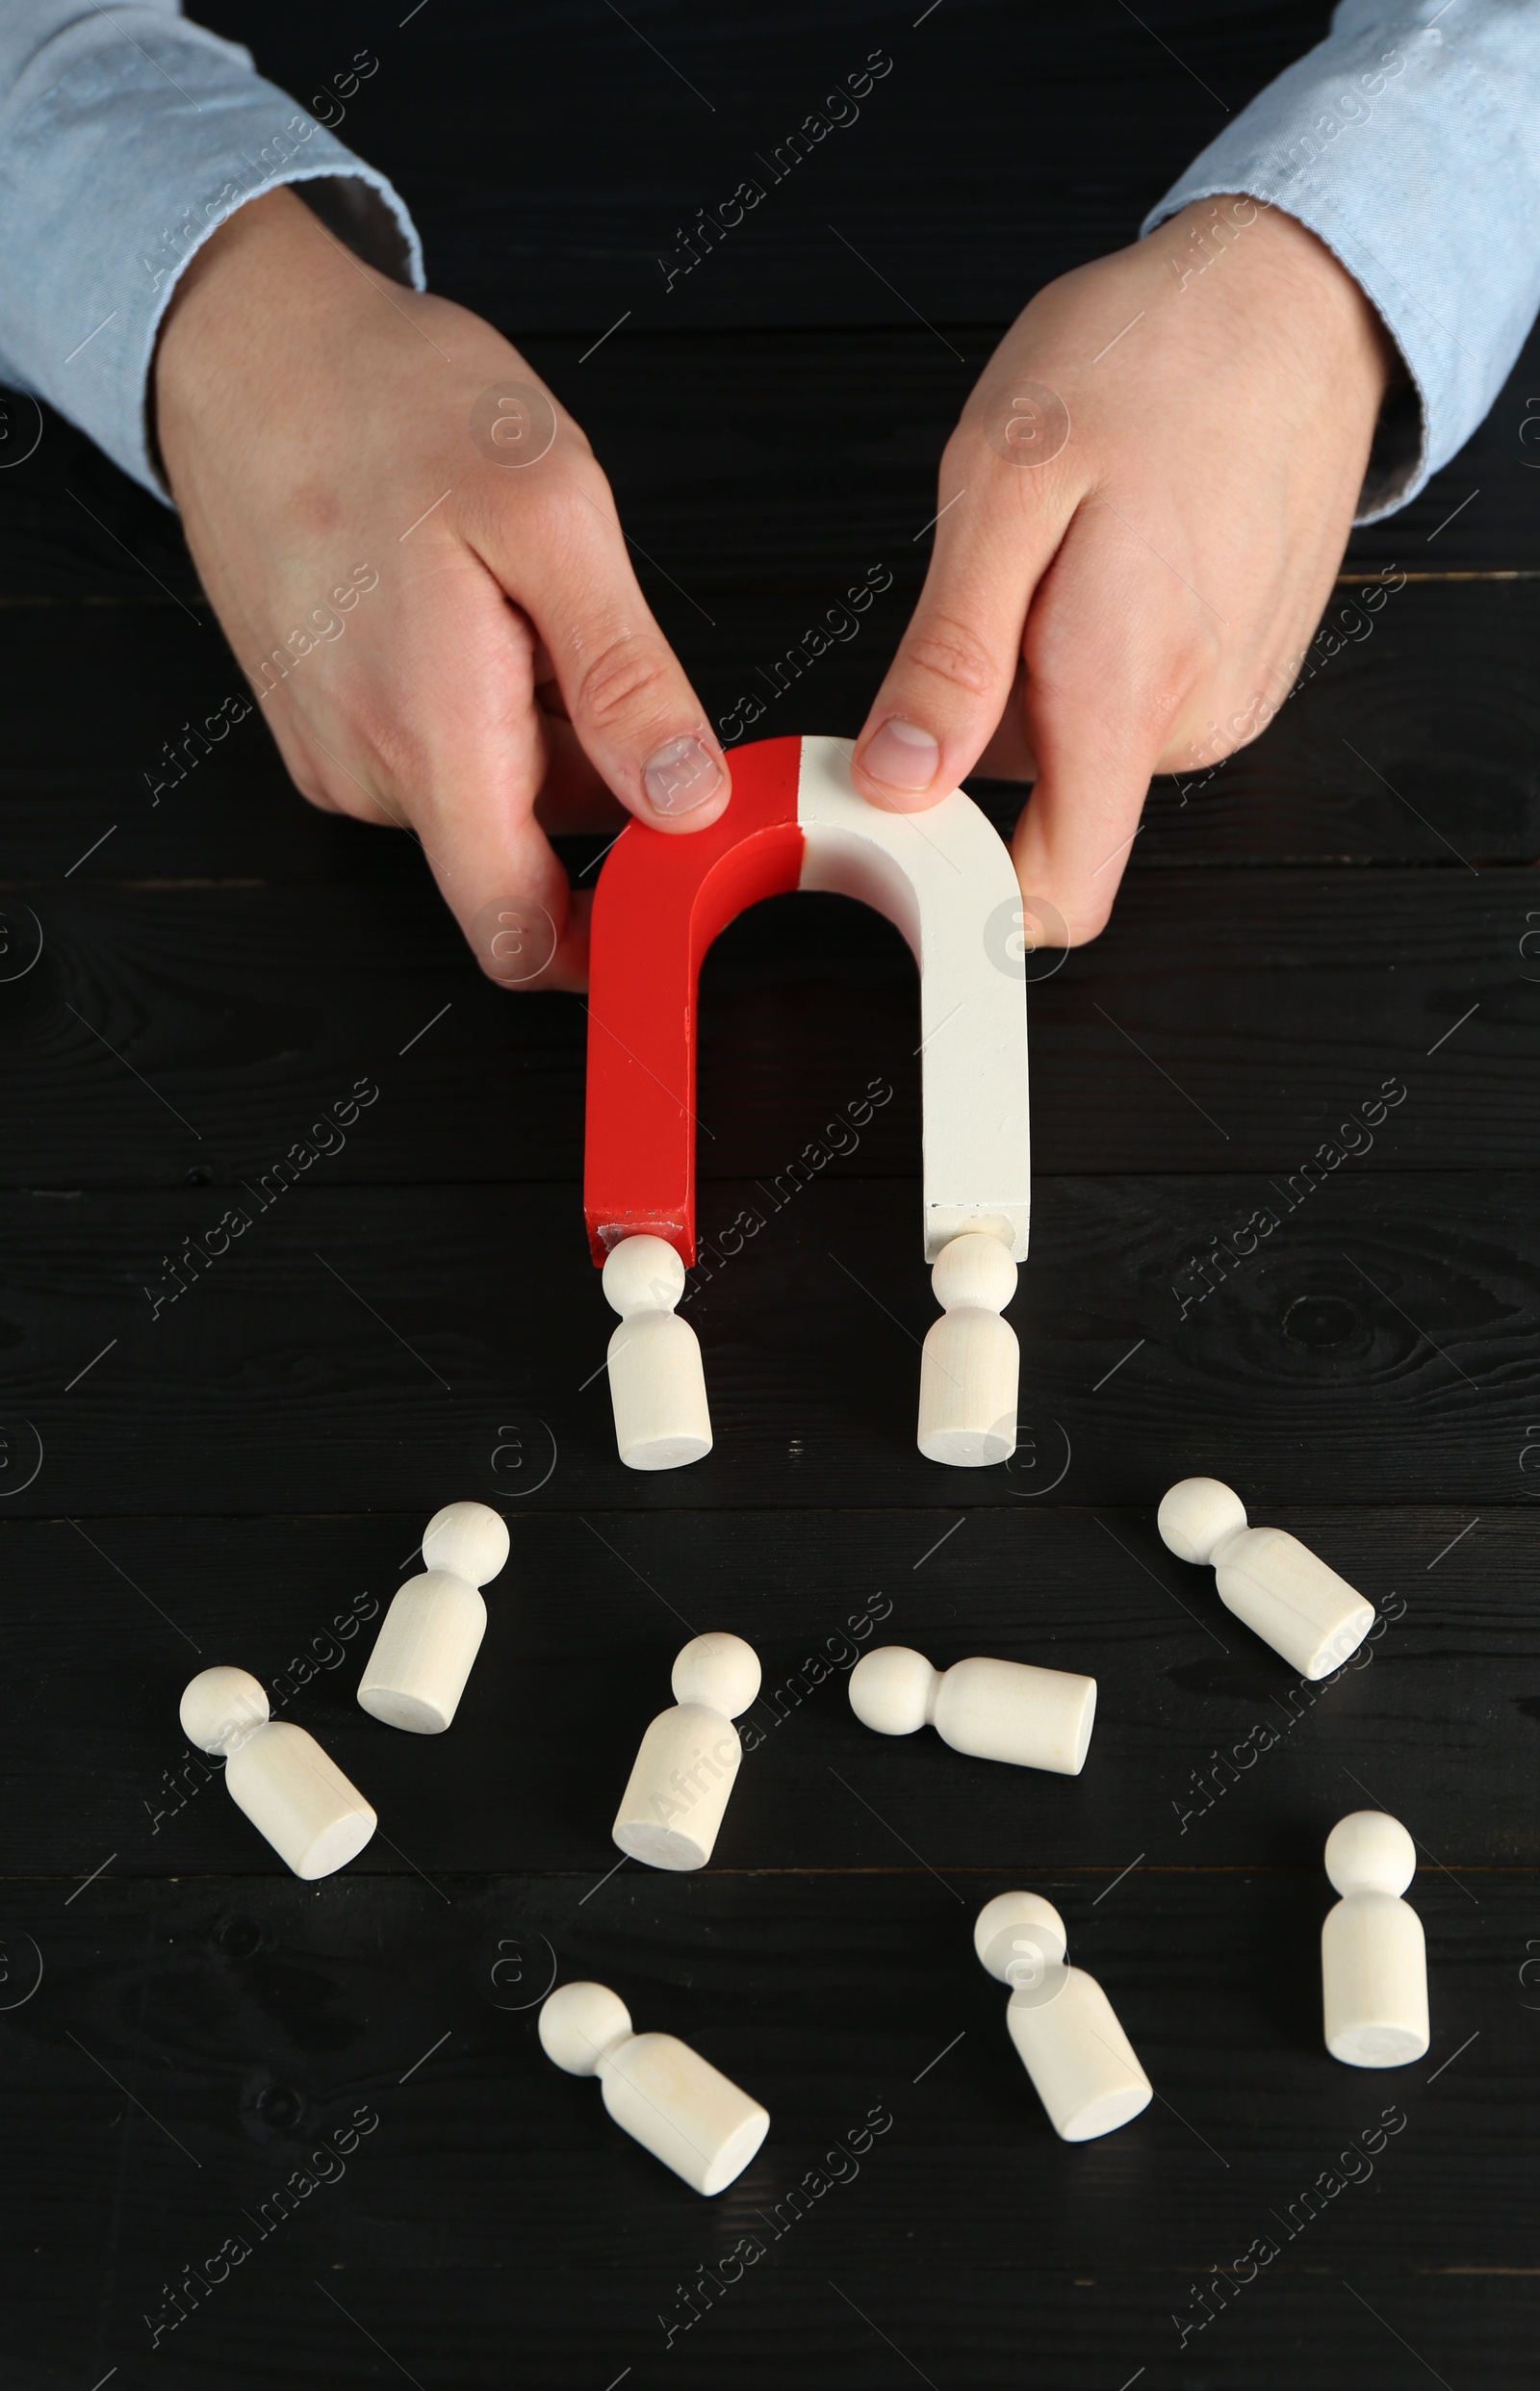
column 1020, row 1937
column 579, row 2022
column 642, row 1273
column 892, row 1689
column 468, row 1539
column 1368, row 1852
column 222, row 1709
column 974, row 1268
column 719, row 1670
column 1196, row 1515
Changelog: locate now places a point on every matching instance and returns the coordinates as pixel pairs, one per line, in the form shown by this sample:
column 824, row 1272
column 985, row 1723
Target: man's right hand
column 442, row 634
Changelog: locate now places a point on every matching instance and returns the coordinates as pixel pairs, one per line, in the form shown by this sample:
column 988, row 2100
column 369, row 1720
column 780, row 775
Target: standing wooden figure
column 432, row 1632
column 657, row 1381
column 664, row 2095
column 970, row 1362
column 1081, row 2062
column 315, row 1820
column 1373, row 1959
column 678, row 1792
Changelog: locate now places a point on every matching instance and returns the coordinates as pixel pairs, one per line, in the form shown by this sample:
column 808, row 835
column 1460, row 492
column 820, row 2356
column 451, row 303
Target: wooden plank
column 1381, row 1335
column 1227, row 1021
column 818, row 448
column 255, row 2021
column 1442, row 768
column 1383, row 706
column 822, row 449
column 1208, row 1752
column 555, row 216
column 233, row 1479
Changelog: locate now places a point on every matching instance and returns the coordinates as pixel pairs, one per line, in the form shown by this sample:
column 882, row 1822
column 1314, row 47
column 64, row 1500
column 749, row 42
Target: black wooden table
column 192, row 978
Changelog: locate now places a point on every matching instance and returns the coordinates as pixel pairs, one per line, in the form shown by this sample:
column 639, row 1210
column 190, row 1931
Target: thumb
column 951, row 681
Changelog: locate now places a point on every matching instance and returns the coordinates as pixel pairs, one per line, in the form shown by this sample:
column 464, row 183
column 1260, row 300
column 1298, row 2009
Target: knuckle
column 628, row 677
column 311, row 789
column 951, row 652
column 1153, row 703
column 575, row 501
column 306, row 771
column 1090, row 922
column 557, row 505
column 390, row 769
column 391, row 754
column 1071, row 682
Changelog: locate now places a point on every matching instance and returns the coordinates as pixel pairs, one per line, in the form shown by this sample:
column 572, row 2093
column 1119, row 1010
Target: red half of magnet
column 661, row 899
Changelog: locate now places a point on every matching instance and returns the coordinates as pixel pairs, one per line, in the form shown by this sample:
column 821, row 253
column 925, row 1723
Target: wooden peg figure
column 995, row 1709
column 1271, row 1581
column 432, row 1632
column 664, row 2095
column 1081, row 2062
column 1373, row 1959
column 656, row 1381
column 673, row 1806
column 970, row 1362
column 315, row 1820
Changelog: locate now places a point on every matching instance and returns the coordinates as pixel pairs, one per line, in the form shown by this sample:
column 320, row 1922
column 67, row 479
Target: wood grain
column 1227, row 1021
column 1432, row 690
column 248, row 2022
column 242, row 1477
column 1381, row 1337
column 819, row 448
column 1208, row 1751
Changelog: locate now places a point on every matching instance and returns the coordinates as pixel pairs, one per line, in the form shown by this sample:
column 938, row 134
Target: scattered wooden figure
column 1081, row 2062
column 995, row 1709
column 664, row 2095
column 433, row 1629
column 315, row 1820
column 1271, row 1581
column 674, row 1803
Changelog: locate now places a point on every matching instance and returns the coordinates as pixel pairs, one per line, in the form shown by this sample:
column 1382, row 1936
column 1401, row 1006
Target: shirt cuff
column 128, row 139
column 1390, row 141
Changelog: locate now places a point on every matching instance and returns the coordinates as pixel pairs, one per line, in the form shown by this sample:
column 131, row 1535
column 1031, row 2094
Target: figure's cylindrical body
column 970, row 1369
column 1373, row 1981
column 300, row 1799
column 677, row 2105
column 1081, row 2062
column 677, row 1790
column 423, row 1654
column 1290, row 1598
column 658, row 1386
column 1007, row 1711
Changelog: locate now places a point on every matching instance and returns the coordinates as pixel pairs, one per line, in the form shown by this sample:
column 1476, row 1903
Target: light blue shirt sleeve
column 126, row 137
column 1409, row 142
